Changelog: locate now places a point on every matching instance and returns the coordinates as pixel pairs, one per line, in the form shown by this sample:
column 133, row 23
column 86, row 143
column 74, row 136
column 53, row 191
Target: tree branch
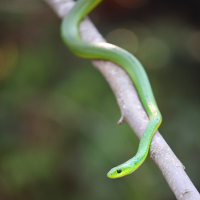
column 133, row 111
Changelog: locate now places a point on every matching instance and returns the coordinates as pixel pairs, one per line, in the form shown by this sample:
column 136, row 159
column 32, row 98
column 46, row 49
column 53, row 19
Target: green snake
column 100, row 50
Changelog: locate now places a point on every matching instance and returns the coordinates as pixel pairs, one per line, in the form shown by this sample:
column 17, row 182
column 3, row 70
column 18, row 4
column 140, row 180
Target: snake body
column 71, row 38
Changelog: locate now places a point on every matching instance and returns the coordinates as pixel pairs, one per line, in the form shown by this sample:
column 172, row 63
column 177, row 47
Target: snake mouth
column 110, row 176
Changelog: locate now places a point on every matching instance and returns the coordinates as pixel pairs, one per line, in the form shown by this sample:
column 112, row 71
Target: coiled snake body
column 100, row 50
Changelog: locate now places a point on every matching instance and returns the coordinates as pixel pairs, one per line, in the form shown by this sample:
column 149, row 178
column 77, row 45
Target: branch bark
column 133, row 111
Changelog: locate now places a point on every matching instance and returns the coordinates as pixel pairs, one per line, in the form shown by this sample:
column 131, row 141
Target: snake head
column 119, row 171
column 126, row 168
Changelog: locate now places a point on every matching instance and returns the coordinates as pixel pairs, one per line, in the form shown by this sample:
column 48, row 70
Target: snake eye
column 119, row 170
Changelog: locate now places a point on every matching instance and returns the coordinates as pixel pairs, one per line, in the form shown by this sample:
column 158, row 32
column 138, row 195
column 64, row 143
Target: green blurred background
column 58, row 117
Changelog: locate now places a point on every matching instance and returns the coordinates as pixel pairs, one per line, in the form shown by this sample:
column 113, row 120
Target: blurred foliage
column 58, row 116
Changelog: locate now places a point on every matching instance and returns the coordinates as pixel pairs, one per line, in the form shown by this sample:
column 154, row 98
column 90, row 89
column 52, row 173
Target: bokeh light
column 130, row 4
column 154, row 53
column 123, row 38
column 193, row 44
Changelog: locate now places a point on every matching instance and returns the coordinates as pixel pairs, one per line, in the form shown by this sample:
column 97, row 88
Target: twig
column 133, row 111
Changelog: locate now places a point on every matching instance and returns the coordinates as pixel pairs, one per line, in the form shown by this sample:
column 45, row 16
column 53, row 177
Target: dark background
column 58, row 117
